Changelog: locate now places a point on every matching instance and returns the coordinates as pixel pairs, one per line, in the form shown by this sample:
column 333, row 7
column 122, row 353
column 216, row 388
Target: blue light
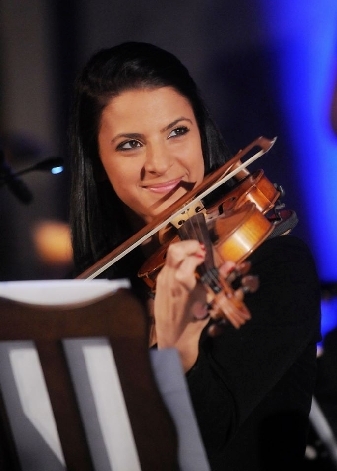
column 305, row 35
column 56, row 170
column 329, row 315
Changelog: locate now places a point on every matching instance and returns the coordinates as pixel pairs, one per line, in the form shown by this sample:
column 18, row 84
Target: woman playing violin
column 141, row 139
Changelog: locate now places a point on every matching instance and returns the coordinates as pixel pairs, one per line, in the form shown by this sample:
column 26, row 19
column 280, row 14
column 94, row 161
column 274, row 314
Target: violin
column 230, row 230
column 238, row 223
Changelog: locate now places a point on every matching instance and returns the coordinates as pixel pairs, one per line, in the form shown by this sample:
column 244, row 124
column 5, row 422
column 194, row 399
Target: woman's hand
column 180, row 305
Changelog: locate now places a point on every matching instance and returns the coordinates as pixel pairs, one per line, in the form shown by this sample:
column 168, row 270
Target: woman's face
column 150, row 147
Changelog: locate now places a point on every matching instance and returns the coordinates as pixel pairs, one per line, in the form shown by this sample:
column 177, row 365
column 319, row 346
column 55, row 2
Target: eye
column 130, row 144
column 180, row 131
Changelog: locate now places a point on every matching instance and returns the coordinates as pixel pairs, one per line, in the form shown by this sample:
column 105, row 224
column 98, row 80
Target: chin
column 158, row 207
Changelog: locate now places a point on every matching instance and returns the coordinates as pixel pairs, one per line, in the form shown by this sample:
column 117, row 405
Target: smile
column 164, row 187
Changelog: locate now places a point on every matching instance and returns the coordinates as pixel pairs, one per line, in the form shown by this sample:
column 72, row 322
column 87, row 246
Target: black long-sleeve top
column 251, row 388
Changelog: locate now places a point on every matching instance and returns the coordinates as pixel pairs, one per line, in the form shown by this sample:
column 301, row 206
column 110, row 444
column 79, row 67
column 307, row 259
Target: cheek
column 197, row 161
column 198, row 165
column 123, row 179
column 115, row 170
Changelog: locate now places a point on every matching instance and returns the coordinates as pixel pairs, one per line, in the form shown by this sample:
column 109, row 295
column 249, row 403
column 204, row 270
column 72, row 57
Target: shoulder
column 288, row 244
column 285, row 254
column 288, row 282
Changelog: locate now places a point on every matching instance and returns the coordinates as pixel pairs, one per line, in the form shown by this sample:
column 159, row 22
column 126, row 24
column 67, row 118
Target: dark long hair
column 96, row 217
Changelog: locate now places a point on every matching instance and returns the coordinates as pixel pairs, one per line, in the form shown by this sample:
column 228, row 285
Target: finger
column 226, row 268
column 185, row 273
column 178, row 251
column 182, row 261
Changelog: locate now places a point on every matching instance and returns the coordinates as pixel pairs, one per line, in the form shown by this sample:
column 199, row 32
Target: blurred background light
column 306, row 73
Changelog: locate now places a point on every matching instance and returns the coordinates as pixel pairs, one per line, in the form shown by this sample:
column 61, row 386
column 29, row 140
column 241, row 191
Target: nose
column 157, row 159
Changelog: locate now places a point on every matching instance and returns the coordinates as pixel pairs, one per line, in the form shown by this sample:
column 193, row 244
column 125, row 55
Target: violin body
column 234, row 234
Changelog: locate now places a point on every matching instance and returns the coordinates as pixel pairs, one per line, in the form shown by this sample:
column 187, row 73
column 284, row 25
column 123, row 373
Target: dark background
column 230, row 46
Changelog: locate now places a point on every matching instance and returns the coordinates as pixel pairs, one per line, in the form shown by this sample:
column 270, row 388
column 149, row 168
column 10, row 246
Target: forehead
column 155, row 105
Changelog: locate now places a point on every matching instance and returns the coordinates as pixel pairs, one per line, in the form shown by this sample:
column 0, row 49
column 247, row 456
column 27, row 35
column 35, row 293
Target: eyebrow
column 176, row 121
column 135, row 135
column 128, row 135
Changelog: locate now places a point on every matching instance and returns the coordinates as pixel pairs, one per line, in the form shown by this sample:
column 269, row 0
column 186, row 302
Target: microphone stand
column 16, row 185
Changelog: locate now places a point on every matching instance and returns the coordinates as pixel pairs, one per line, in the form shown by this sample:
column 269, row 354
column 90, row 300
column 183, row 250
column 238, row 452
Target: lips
column 164, row 187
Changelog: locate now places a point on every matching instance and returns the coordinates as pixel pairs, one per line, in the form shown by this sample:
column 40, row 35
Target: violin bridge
column 195, row 208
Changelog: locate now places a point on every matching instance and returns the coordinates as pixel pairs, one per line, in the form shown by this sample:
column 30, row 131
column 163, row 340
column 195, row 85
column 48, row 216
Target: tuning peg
column 217, row 328
column 250, row 283
column 240, row 269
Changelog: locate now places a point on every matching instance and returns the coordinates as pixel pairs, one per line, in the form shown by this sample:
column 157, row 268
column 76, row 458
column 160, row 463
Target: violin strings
column 211, row 274
column 195, row 228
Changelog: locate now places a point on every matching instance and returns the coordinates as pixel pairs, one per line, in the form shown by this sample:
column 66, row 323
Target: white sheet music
column 60, row 292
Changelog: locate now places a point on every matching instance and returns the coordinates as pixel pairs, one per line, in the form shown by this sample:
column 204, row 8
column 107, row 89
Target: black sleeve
column 271, row 359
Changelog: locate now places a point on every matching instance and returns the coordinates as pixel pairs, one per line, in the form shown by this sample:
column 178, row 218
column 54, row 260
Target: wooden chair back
column 122, row 321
